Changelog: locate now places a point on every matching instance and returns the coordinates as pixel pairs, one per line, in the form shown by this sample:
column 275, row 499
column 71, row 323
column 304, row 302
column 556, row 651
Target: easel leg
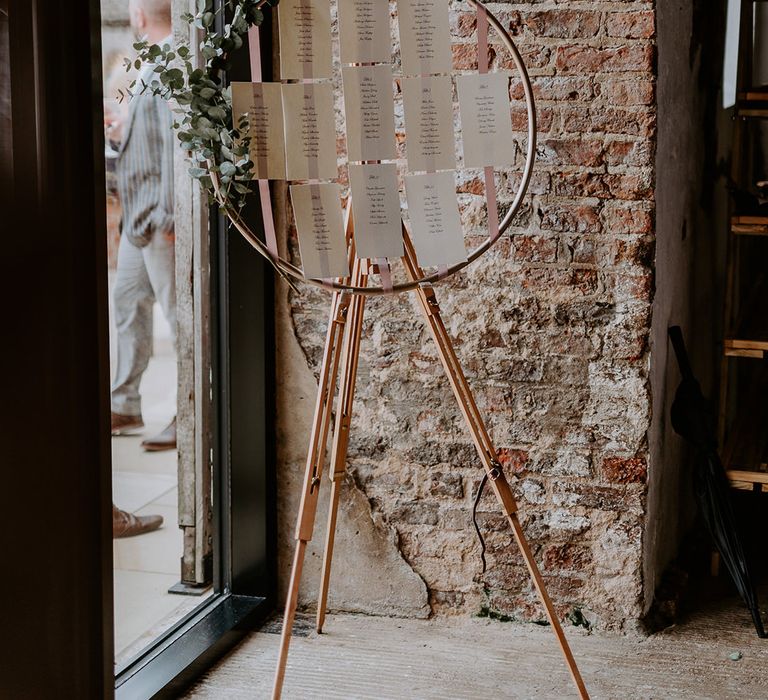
column 350, row 358
column 315, row 461
column 486, row 450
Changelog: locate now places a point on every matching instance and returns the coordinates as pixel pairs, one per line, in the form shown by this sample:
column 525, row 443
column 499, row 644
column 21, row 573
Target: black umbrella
column 691, row 420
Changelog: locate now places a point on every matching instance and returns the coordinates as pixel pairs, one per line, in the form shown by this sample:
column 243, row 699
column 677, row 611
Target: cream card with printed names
column 425, row 37
column 364, row 33
column 429, row 139
column 262, row 104
column 310, row 132
column 433, row 210
column 376, row 211
column 486, row 121
column 369, row 107
column 320, row 225
column 305, row 39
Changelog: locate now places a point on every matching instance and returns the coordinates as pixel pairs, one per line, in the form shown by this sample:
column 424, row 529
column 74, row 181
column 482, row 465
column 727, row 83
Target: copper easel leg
column 350, row 358
column 486, row 450
column 315, row 461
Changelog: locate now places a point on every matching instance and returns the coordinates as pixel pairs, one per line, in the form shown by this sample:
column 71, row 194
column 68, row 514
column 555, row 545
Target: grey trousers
column 144, row 275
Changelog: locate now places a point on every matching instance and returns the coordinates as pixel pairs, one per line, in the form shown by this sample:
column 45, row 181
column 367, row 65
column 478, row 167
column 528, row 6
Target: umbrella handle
column 676, row 336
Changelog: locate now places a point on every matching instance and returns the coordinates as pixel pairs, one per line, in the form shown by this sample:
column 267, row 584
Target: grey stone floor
column 368, row 657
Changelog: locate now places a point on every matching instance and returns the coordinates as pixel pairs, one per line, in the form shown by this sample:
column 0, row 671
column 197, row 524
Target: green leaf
column 206, row 93
column 217, row 112
column 227, row 169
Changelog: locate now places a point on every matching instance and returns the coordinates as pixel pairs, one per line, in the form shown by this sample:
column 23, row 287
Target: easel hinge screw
column 495, row 471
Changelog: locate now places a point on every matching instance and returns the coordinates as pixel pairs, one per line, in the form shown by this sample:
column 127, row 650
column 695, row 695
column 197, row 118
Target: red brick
column 571, row 151
column 513, row 461
column 467, row 23
column 534, row 249
column 630, row 25
column 579, row 185
column 618, row 219
column 626, row 122
column 631, row 153
column 626, row 92
column 564, row 24
column 625, row 470
column 629, row 186
column 534, row 56
column 545, row 118
column 570, row 218
column 557, row 88
column 568, row 557
column 589, row 59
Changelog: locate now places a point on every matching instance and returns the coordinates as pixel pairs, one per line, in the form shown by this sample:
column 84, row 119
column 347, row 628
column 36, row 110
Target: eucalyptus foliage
column 202, row 105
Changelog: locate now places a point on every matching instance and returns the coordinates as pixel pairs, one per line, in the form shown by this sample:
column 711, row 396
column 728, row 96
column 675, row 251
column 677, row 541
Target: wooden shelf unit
column 743, row 410
column 742, row 225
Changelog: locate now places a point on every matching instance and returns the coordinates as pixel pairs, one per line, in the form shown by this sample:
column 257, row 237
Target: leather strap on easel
column 385, row 274
column 482, row 67
column 270, row 235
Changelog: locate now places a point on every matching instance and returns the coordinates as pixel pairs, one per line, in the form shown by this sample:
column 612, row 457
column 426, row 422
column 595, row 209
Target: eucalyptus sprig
column 202, row 105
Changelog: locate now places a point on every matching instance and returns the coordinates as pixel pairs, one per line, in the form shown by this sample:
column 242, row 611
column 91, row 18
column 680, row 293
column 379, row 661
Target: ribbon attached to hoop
column 482, row 67
column 270, row 235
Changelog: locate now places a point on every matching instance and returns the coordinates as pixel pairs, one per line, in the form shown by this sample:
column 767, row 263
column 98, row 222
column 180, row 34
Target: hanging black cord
column 474, row 520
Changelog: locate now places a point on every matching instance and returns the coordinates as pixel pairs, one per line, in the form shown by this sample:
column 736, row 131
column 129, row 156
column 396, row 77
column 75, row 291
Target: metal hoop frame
column 296, row 272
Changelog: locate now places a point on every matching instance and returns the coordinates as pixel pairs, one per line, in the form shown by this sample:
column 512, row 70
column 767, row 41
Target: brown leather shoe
column 126, row 425
column 163, row 441
column 125, row 524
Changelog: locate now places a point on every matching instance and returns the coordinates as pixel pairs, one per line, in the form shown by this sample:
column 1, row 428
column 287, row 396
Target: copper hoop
column 296, row 272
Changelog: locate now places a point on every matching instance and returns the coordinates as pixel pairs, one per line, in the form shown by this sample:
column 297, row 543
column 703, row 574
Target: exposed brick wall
column 552, row 330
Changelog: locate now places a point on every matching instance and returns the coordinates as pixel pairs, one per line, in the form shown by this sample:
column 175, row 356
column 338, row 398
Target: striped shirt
column 144, row 168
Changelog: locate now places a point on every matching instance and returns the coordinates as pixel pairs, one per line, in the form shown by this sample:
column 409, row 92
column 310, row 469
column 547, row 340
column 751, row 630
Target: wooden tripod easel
column 342, row 351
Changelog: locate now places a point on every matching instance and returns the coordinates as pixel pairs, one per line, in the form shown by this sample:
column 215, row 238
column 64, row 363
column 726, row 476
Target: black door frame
column 57, row 636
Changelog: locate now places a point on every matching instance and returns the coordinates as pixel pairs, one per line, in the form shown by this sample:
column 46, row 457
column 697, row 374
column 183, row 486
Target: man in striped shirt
column 145, row 260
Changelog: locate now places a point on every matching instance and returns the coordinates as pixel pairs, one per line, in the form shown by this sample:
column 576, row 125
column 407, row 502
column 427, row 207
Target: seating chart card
column 486, row 122
column 425, row 37
column 305, row 39
column 369, row 106
column 364, row 33
column 435, row 221
column 428, row 106
column 320, row 225
column 310, row 132
column 376, row 209
column 263, row 103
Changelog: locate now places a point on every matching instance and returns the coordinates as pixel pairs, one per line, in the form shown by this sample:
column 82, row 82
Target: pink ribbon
column 270, row 235
column 385, row 274
column 482, row 67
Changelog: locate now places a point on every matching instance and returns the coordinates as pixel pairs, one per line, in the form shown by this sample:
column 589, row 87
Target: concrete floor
column 365, row 657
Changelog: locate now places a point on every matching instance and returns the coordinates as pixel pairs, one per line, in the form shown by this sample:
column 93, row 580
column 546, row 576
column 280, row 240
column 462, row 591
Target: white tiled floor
column 146, row 483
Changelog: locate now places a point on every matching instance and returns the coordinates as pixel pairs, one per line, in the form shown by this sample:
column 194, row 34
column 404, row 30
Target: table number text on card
column 369, row 106
column 310, row 134
column 320, row 225
column 376, row 211
column 425, row 37
column 262, row 105
column 429, row 138
column 305, row 39
column 435, row 221
column 364, row 33
column 486, row 121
